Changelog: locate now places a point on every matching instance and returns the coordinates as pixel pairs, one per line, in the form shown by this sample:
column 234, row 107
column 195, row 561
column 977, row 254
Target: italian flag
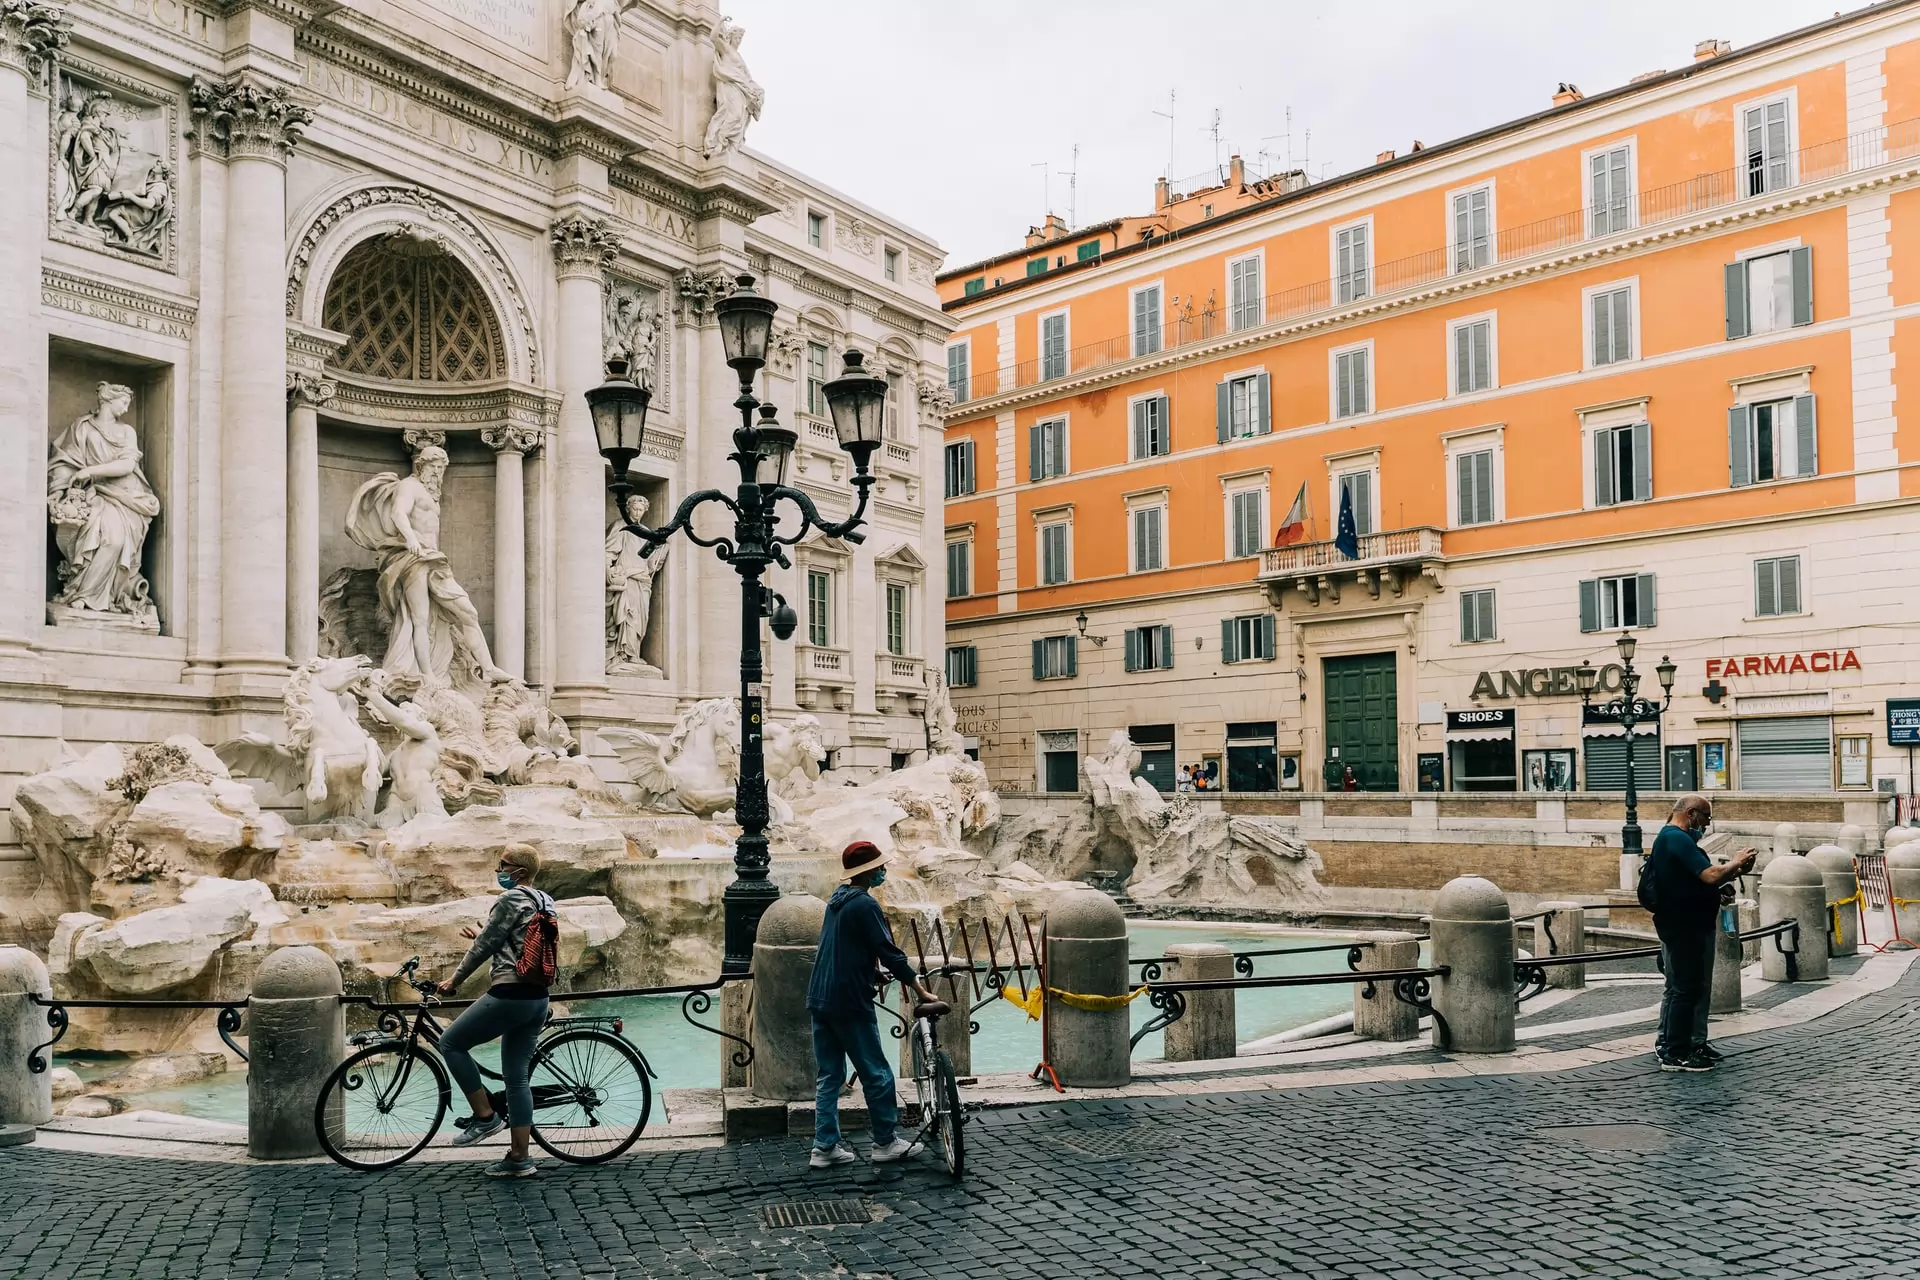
column 1294, row 528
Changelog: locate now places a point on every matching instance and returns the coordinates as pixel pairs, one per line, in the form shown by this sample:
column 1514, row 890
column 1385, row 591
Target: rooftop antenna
column 1073, row 187
column 1046, row 187
column 1214, row 129
column 1168, row 115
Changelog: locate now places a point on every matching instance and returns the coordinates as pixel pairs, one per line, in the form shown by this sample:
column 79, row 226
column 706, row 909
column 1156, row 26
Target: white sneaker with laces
column 898, row 1149
column 477, row 1130
column 840, row 1154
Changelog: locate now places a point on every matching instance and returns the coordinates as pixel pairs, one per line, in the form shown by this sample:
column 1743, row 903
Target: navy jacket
column 854, row 940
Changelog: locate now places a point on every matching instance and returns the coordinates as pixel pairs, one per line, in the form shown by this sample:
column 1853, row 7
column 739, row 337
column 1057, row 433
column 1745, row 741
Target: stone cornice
column 517, row 124
column 657, row 188
column 245, row 116
column 32, row 33
column 584, row 137
column 375, row 402
column 116, row 303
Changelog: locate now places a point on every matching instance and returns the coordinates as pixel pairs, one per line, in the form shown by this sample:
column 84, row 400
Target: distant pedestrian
column 512, row 1011
column 854, row 943
column 1183, row 781
column 1349, row 780
column 1685, row 888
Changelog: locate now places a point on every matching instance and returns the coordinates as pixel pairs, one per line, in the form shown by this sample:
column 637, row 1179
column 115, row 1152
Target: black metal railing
column 1410, row 986
column 1151, row 967
column 226, row 1024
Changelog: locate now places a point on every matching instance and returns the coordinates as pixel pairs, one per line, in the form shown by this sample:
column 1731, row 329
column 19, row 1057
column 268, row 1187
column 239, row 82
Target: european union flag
column 1348, row 538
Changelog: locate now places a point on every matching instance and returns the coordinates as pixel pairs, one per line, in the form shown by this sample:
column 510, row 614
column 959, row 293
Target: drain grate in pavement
column 1613, row 1137
column 816, row 1213
column 1108, row 1144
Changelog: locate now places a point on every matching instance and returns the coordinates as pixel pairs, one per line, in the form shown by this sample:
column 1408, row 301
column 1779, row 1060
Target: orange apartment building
column 1632, row 363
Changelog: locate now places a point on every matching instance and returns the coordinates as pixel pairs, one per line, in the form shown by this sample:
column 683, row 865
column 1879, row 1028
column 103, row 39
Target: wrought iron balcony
column 1391, row 559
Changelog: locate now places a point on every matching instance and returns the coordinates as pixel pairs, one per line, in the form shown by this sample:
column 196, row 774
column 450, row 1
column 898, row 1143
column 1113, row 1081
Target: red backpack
column 539, row 959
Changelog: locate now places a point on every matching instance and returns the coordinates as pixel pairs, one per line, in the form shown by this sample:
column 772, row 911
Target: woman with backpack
column 518, row 944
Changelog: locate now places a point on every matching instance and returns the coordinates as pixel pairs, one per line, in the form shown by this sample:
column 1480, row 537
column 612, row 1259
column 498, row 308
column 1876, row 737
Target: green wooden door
column 1362, row 720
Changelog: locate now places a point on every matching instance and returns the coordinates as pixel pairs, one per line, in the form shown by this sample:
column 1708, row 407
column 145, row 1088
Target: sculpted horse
column 695, row 770
column 327, row 755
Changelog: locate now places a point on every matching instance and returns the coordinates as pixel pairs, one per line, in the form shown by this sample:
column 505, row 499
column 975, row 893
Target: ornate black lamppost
column 761, row 449
column 1627, row 710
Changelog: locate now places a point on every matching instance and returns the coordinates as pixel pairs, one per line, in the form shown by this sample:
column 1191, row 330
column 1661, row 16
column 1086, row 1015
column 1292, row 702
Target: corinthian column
column 583, row 248
column 305, row 394
column 30, row 34
column 509, row 443
column 253, row 125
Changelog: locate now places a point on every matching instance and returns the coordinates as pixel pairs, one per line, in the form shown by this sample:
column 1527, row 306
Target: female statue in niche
column 101, row 506
column 630, row 571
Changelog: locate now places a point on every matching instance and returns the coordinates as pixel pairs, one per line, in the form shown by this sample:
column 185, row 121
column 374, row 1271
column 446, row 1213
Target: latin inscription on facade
column 340, row 85
column 517, row 22
column 642, row 212
column 176, row 16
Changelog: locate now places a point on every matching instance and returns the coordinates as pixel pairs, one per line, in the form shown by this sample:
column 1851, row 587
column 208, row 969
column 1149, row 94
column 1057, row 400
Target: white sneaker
column 898, row 1149
column 840, row 1154
column 477, row 1130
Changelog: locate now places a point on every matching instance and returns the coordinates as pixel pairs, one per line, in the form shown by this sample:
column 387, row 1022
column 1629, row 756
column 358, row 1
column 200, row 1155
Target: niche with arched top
column 412, row 313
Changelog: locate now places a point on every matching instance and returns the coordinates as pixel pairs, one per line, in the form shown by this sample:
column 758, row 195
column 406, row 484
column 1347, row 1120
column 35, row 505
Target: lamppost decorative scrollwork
column 1627, row 711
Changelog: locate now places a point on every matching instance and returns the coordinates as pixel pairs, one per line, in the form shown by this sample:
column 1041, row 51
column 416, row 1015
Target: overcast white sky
column 940, row 114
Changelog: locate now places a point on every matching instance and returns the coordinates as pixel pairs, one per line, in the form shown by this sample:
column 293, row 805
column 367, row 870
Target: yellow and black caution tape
column 1833, row 908
column 1030, row 1002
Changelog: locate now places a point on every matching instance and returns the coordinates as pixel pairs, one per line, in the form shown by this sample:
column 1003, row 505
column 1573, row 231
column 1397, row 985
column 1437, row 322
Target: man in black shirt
column 1686, row 908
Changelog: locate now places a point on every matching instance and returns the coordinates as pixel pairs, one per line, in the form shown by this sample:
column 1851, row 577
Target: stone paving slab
column 1793, row 1160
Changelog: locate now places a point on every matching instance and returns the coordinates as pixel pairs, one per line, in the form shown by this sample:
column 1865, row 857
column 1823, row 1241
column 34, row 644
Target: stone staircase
column 1115, row 886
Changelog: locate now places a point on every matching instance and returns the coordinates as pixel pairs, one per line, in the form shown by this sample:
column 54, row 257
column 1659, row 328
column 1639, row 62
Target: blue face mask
column 504, row 878
column 879, row 878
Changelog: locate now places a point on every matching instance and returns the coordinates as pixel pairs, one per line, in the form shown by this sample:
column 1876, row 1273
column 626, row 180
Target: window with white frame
column 1472, row 229
column 890, row 264
column 1053, row 346
column 1152, row 430
column 1765, row 142
column 1056, row 553
column 897, row 619
column 1771, row 440
column 1244, row 299
column 1776, row 586
column 959, row 460
column 1770, row 291
column 817, row 379
column 960, row 369
column 819, row 607
column 816, row 229
column 959, row 568
column 1146, row 320
column 1610, row 191
column 1243, row 409
column 1357, row 488
column 963, row 666
column 1246, row 521
column 1149, row 536
column 1622, row 464
column 1352, row 263
column 1149, row 648
column 1473, row 355
column 1353, row 382
column 1473, row 473
column 1247, row 638
column 1616, row 602
column 896, row 395
column 1610, row 325
column 1047, row 449
column 1476, row 616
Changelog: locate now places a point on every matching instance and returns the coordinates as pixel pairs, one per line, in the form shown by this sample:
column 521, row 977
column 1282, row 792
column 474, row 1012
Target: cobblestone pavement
column 1792, row 1161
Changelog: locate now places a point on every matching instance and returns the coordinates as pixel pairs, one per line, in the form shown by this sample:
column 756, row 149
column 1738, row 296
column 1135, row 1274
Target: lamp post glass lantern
column 1629, row 710
column 762, row 451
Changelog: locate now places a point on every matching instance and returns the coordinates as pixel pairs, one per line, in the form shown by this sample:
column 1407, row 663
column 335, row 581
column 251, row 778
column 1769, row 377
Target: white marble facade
column 256, row 253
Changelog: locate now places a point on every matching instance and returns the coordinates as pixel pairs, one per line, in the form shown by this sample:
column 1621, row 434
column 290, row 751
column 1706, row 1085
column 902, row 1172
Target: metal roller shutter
column 1790, row 754
column 1607, row 763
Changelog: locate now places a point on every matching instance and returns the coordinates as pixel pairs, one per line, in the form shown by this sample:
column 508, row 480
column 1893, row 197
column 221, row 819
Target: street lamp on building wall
column 761, row 449
column 1627, row 710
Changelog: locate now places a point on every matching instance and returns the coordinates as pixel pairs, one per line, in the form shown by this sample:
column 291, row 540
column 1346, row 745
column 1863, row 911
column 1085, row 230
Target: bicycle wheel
column 591, row 1095
column 381, row 1105
column 949, row 1119
column 923, row 1053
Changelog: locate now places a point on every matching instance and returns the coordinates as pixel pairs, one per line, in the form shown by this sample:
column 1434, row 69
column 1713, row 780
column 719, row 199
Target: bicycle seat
column 932, row 1009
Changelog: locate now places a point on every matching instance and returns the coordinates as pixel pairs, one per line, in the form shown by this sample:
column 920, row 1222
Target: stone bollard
column 1749, row 921
column 1903, row 878
column 956, row 1039
column 782, row 1028
column 1385, row 1016
column 1207, row 1029
column 1567, row 928
column 1784, row 836
column 1793, row 889
column 1086, row 941
column 26, row 1097
column 1852, row 839
column 1842, row 884
column 296, row 1036
column 1473, row 937
column 1728, row 958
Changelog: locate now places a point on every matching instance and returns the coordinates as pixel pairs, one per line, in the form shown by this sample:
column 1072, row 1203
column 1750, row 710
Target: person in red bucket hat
column 854, row 944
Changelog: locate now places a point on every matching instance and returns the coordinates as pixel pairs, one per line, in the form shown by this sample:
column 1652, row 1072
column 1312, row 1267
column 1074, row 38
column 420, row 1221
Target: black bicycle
column 935, row 1085
column 592, row 1089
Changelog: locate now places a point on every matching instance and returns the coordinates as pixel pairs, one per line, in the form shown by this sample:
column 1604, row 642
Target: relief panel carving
column 114, row 154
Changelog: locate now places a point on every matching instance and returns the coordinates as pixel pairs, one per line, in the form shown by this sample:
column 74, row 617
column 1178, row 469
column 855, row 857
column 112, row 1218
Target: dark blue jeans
column 1688, row 956
column 856, row 1036
column 516, row 1024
